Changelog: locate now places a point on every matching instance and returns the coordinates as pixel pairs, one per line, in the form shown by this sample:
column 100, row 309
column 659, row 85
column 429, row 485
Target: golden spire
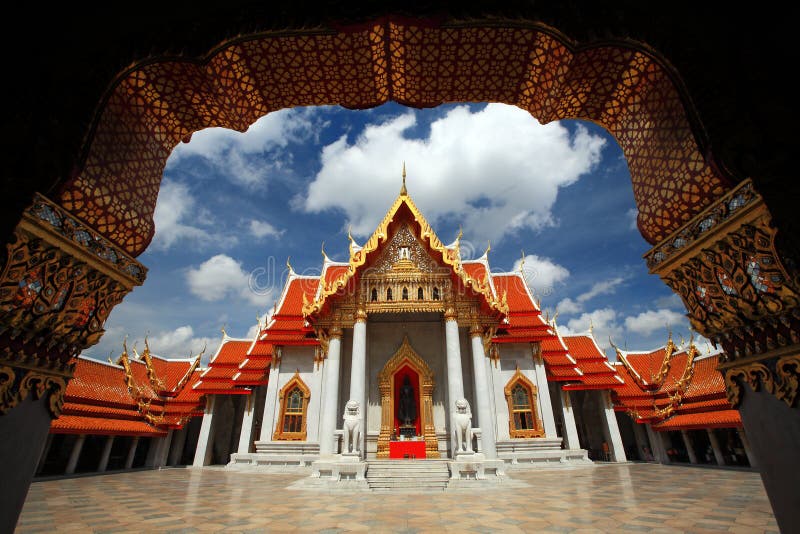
column 289, row 265
column 325, row 256
column 488, row 248
column 403, row 191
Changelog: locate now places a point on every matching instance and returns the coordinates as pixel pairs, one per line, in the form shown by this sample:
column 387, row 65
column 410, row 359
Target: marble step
column 408, row 475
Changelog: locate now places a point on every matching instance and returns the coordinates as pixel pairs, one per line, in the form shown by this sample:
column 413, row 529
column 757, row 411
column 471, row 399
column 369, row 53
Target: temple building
column 408, row 351
column 405, row 351
column 676, row 400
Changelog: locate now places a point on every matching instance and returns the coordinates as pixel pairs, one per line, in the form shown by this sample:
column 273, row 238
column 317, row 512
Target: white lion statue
column 352, row 427
column 462, row 426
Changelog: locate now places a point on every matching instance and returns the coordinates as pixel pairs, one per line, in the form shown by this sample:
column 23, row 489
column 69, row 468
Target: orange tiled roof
column 693, row 421
column 475, row 269
column 171, row 371
column 98, row 382
column 231, row 352
column 76, row 424
column 519, row 299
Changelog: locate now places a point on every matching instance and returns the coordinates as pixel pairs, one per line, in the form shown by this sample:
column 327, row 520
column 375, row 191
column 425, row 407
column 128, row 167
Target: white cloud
column 497, row 169
column 604, row 287
column 649, row 321
column 229, row 150
column 632, row 216
column 261, row 229
column 673, row 301
column 604, row 322
column 541, row 274
column 222, row 276
column 568, row 306
column 174, row 206
column 180, row 343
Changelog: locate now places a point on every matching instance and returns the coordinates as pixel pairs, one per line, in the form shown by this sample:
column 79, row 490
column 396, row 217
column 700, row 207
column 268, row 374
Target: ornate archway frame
column 279, row 434
column 406, row 355
column 538, row 431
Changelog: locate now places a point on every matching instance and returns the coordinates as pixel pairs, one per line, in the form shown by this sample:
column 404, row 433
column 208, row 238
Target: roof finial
column 289, row 265
column 591, row 326
column 488, row 247
column 325, row 256
column 224, row 333
column 522, row 262
column 403, row 190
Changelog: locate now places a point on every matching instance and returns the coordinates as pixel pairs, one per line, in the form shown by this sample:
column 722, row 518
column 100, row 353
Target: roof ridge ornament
column 403, row 190
column 289, row 265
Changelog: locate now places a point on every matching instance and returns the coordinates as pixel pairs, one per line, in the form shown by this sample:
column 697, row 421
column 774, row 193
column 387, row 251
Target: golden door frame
column 406, row 355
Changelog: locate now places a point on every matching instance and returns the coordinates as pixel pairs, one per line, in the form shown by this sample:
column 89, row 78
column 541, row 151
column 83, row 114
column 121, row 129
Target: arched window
column 523, row 416
column 294, row 404
column 389, row 294
column 435, row 293
column 405, row 293
column 420, row 294
column 374, row 295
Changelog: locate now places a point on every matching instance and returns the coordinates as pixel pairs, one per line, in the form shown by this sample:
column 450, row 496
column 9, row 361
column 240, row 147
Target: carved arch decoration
column 623, row 86
column 537, row 427
column 406, row 355
column 281, row 433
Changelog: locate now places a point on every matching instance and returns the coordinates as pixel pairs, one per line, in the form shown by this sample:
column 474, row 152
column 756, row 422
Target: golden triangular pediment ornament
column 403, row 213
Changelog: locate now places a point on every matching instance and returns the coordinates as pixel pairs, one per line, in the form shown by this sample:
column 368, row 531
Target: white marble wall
column 299, row 359
column 511, row 356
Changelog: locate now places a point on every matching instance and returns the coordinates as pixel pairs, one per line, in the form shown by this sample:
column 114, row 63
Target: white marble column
column 102, row 465
column 657, row 446
column 687, row 442
column 131, row 452
column 72, row 463
column 455, row 377
column 546, row 406
column 746, row 444
column 358, row 368
column 641, row 440
column 248, row 415
column 666, row 445
column 268, row 421
column 330, row 403
column 718, row 456
column 163, row 449
column 570, row 429
column 202, row 455
column 611, row 429
column 482, row 393
column 176, row 449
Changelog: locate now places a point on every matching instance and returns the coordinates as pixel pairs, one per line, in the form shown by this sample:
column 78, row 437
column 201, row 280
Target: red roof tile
column 691, row 421
column 76, row 424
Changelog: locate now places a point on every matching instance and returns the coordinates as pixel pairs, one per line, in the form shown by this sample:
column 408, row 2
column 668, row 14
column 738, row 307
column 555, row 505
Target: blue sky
column 233, row 206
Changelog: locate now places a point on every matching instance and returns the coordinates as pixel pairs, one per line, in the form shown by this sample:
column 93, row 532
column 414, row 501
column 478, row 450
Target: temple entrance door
column 406, row 385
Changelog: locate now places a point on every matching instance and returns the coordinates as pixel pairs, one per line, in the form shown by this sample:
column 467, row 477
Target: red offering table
column 407, row 449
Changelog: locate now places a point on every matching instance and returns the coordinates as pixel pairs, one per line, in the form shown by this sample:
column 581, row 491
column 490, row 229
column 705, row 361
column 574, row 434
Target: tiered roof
column 131, row 398
column 237, row 365
column 674, row 388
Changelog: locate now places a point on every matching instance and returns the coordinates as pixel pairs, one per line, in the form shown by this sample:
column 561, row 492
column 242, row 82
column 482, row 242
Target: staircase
column 408, row 475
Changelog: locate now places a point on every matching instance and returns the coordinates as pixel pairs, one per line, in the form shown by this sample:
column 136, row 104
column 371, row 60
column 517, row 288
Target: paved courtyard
column 601, row 498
